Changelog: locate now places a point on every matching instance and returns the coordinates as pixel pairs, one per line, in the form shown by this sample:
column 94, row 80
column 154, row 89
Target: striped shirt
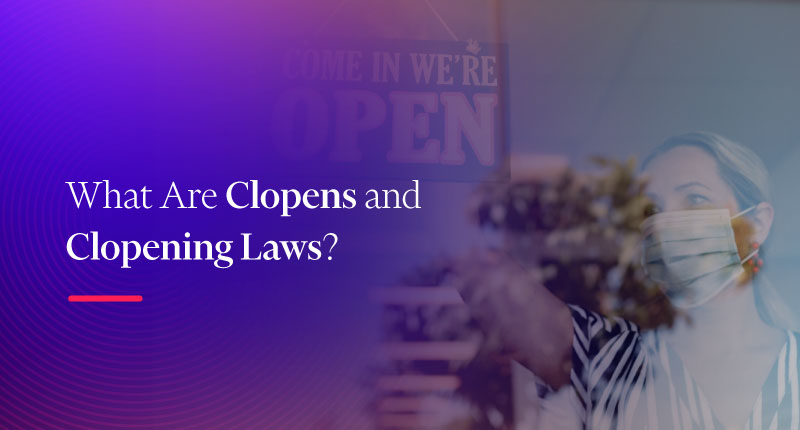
column 624, row 379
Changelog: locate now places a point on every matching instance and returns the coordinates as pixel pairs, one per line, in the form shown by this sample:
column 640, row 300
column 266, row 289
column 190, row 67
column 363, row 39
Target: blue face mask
column 692, row 254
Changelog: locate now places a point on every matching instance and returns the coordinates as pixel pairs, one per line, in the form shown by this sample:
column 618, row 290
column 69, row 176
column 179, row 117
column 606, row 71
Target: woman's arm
column 509, row 300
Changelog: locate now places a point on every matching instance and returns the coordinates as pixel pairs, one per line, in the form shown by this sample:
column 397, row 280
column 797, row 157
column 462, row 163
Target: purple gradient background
column 144, row 93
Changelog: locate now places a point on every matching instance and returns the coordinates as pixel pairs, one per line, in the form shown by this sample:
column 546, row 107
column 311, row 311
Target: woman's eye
column 697, row 200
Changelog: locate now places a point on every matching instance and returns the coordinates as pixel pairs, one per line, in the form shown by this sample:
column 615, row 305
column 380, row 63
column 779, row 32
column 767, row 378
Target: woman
column 732, row 364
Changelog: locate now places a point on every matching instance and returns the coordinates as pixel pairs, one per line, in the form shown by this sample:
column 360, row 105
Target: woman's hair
column 748, row 178
column 738, row 166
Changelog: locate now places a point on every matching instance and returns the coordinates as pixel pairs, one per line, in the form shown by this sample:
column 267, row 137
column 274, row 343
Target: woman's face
column 687, row 177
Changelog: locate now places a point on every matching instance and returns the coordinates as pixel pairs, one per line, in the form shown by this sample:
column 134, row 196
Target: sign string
column 433, row 10
column 441, row 20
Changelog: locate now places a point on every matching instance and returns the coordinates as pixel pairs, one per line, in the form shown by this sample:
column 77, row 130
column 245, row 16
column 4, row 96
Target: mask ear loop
column 749, row 256
column 755, row 251
column 744, row 211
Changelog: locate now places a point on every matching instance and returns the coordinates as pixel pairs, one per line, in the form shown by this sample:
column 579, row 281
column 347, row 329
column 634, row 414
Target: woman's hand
column 511, row 303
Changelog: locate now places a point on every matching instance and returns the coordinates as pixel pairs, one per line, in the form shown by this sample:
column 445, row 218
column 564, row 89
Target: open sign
column 401, row 109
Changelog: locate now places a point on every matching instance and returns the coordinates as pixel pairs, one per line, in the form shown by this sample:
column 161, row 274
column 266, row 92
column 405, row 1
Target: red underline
column 98, row 298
